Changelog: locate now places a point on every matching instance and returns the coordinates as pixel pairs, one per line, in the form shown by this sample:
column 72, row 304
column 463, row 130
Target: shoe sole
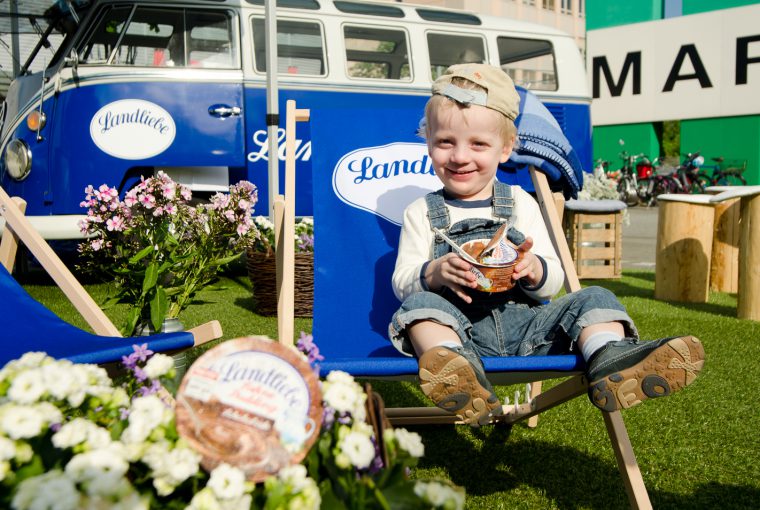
column 664, row 371
column 448, row 379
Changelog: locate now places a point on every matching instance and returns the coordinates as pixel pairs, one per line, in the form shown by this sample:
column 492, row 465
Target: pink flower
column 230, row 215
column 186, row 193
column 158, row 212
column 116, row 223
column 244, row 204
column 242, row 229
column 96, row 244
column 131, row 198
column 148, row 201
column 170, row 209
column 168, row 190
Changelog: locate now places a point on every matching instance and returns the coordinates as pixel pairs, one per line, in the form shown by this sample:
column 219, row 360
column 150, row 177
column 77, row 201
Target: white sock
column 597, row 341
column 449, row 343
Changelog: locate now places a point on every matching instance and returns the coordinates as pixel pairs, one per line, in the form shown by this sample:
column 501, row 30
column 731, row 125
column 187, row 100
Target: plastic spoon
column 469, row 258
column 494, row 242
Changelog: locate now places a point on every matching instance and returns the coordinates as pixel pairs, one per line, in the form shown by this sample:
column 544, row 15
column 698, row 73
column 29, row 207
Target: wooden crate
column 596, row 242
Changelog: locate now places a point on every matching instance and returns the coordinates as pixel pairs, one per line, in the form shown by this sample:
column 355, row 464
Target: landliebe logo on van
column 132, row 129
column 384, row 180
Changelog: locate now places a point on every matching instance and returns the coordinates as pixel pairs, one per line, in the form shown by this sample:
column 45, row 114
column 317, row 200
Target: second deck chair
column 363, row 177
column 30, row 326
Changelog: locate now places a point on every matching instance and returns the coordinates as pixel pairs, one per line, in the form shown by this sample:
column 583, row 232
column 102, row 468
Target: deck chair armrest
column 206, row 332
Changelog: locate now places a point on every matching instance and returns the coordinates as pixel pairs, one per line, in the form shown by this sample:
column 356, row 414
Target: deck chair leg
column 626, row 460
column 535, row 391
column 9, row 242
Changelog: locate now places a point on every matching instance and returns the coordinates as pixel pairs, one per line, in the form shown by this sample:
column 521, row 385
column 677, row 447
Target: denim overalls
column 505, row 323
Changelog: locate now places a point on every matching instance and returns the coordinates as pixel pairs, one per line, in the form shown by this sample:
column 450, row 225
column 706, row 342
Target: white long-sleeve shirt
column 417, row 240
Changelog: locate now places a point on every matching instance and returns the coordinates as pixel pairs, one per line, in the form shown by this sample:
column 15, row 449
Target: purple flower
column 129, row 362
column 151, row 389
column 140, row 374
column 142, row 352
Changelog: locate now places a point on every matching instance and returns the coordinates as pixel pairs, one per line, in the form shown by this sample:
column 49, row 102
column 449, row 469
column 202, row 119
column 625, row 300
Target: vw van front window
column 154, row 37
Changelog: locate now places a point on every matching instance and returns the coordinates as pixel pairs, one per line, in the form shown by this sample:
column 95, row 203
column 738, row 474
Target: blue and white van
column 138, row 86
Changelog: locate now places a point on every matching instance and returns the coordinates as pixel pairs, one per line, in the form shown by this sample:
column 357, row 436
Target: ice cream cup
column 494, row 272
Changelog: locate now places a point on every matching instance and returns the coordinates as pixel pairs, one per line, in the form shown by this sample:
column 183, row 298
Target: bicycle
column 661, row 180
column 692, row 177
column 728, row 176
column 628, row 186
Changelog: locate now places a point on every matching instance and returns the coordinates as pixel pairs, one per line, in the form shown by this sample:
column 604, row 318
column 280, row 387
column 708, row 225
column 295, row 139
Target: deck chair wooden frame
column 573, row 386
column 18, row 229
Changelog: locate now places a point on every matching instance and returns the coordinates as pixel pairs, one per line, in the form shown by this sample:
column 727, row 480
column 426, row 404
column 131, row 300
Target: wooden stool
column 595, row 235
column 684, row 247
column 724, row 263
column 748, row 302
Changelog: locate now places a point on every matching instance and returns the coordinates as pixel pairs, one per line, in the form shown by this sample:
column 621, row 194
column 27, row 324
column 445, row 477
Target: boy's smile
column 466, row 146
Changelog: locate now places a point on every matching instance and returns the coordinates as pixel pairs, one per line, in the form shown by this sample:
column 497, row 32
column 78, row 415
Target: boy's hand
column 451, row 271
column 528, row 265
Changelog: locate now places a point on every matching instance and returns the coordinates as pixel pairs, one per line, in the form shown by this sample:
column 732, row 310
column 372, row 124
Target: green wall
column 734, row 138
column 605, row 13
column 696, row 6
column 638, row 138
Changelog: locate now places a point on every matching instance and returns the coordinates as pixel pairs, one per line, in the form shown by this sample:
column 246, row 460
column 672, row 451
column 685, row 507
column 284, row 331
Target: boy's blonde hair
column 437, row 102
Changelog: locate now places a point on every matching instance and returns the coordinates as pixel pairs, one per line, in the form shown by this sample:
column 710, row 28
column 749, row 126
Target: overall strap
column 503, row 203
column 437, row 212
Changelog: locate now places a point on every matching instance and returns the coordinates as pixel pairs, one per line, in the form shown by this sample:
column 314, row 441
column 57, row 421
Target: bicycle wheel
column 731, row 180
column 699, row 184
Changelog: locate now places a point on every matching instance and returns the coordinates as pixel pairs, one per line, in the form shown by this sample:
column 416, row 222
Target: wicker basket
column 262, row 271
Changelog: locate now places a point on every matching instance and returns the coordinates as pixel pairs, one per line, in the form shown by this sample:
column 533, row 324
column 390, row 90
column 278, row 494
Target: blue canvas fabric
column 355, row 247
column 30, row 326
column 543, row 145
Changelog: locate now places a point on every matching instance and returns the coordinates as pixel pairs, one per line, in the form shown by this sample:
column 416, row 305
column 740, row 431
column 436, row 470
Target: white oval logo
column 384, row 180
column 132, row 129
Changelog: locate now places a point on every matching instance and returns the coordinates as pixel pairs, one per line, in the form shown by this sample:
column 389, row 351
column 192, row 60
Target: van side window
column 300, row 47
column 153, row 37
column 377, row 53
column 530, row 62
column 450, row 49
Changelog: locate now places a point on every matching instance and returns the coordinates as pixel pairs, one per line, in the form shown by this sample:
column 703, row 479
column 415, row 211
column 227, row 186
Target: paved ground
column 640, row 238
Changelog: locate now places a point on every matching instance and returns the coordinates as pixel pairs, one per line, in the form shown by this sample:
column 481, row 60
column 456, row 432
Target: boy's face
column 466, row 146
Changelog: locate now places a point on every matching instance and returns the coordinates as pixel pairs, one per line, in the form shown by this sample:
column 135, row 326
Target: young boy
column 448, row 324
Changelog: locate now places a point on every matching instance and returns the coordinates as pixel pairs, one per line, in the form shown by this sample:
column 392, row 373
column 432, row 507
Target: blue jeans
column 492, row 328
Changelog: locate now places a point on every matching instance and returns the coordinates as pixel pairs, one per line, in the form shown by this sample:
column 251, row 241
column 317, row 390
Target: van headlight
column 18, row 159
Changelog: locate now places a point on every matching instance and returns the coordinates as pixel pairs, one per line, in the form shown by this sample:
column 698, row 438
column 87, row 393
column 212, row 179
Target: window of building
column 300, row 47
column 376, row 53
column 567, row 6
column 549, row 4
column 449, row 49
column 530, row 62
column 154, row 37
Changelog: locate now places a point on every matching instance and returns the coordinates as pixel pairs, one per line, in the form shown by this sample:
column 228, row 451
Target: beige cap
column 499, row 94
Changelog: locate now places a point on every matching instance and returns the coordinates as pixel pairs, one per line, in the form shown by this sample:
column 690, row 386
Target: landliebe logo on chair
column 384, row 180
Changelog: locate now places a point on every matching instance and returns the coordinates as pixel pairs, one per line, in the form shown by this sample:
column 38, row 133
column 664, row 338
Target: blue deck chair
column 367, row 166
column 30, row 326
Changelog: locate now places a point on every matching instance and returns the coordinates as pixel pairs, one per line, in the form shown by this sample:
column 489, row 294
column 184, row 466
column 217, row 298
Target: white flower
column 32, row 359
column 343, row 394
column 440, row 495
column 358, row 447
column 50, row 491
column 79, row 431
column 7, row 448
column 410, row 441
column 227, row 482
column 145, row 415
column 19, row 422
column 204, row 500
column 5, row 468
column 62, row 380
column 101, row 472
column 27, row 387
column 294, row 475
column 170, row 467
column 158, row 365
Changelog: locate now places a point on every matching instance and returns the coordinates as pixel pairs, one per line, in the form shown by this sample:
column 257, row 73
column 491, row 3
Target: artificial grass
column 699, row 448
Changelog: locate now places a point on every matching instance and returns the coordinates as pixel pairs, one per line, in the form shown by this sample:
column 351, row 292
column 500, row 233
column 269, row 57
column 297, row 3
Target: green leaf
column 226, row 260
column 158, row 307
column 140, row 254
column 131, row 322
column 151, row 277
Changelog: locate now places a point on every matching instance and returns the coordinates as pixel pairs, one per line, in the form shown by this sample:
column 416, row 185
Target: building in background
column 694, row 61
column 565, row 15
